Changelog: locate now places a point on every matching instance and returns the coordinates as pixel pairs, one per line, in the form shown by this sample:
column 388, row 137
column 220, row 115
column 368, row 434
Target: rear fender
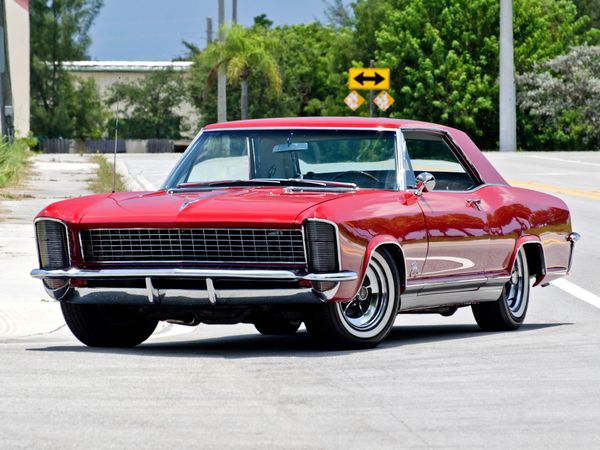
column 534, row 252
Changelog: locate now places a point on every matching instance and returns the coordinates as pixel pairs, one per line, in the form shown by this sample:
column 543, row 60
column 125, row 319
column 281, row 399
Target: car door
column 455, row 215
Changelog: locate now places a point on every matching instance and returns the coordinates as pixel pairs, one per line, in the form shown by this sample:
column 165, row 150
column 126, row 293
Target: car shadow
column 299, row 345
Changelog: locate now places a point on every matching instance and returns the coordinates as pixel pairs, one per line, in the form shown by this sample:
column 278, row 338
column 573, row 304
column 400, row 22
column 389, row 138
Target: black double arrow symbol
column 361, row 78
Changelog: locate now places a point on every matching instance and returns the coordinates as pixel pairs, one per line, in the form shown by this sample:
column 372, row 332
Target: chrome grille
column 202, row 245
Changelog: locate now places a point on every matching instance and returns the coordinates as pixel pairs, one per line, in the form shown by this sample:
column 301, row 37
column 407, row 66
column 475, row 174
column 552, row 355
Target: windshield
column 365, row 158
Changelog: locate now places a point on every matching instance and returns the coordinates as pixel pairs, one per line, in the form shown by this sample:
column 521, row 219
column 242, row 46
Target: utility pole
column 371, row 94
column 209, row 30
column 234, row 11
column 507, row 100
column 222, row 76
column 3, row 127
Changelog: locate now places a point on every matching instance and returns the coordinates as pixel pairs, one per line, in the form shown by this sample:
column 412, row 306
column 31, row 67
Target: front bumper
column 209, row 296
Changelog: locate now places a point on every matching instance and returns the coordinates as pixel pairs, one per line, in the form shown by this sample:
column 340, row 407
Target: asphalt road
column 435, row 382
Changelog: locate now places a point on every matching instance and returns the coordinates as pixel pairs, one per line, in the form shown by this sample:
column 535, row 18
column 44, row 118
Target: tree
column 444, row 55
column 150, row 105
column 562, row 95
column 244, row 52
column 590, row 8
column 338, row 14
column 59, row 32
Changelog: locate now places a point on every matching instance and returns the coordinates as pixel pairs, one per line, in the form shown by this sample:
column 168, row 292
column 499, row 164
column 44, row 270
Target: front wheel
column 367, row 319
column 107, row 325
column 508, row 312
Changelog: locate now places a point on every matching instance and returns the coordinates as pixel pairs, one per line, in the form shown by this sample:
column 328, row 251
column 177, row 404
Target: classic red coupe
column 340, row 223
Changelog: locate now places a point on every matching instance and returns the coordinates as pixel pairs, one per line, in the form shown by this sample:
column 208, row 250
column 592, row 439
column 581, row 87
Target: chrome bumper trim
column 282, row 275
column 151, row 296
column 572, row 238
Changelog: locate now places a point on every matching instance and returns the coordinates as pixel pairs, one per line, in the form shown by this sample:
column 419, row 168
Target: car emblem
column 190, row 202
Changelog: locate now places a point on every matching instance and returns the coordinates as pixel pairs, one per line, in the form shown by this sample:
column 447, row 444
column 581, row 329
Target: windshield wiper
column 315, row 183
column 226, row 183
column 299, row 182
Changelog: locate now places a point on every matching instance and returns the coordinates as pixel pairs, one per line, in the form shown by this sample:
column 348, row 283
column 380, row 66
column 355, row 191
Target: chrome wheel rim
column 515, row 288
column 366, row 310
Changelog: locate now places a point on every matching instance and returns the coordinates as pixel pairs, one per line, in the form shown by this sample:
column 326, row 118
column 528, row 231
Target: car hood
column 219, row 207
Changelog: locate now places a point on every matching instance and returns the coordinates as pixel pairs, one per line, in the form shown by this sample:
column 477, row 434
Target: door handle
column 474, row 203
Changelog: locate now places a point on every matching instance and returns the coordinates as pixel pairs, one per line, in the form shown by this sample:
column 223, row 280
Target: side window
column 430, row 153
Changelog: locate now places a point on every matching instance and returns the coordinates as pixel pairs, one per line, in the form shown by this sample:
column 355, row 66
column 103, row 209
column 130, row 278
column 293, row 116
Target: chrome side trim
column 449, row 286
column 452, row 293
column 254, row 274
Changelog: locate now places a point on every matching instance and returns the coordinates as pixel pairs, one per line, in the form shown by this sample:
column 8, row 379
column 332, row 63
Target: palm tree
column 243, row 52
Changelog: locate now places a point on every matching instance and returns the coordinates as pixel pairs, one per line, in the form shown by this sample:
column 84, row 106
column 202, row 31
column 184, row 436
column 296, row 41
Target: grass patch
column 13, row 162
column 104, row 177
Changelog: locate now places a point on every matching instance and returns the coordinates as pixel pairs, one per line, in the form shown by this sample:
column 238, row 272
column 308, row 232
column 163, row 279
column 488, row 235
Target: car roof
column 324, row 122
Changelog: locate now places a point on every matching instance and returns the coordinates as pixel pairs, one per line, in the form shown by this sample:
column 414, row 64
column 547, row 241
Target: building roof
column 125, row 66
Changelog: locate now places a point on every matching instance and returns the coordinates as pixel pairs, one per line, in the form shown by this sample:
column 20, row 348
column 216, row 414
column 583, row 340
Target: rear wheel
column 107, row 325
column 508, row 312
column 367, row 319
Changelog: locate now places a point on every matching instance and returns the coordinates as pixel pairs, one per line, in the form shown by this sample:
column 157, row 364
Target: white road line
column 551, row 158
column 577, row 291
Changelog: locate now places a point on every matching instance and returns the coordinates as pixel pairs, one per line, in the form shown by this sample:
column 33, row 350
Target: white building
column 16, row 77
column 107, row 73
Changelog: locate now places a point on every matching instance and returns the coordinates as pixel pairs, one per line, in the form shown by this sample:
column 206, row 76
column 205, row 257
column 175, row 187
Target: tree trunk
column 244, row 97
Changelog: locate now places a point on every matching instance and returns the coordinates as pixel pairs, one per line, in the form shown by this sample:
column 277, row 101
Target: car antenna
column 114, row 188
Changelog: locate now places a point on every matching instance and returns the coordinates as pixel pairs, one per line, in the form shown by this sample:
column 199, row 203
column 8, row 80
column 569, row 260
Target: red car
column 340, row 223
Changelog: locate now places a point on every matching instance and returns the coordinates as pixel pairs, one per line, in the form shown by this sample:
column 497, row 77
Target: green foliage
column 150, row 106
column 13, row 159
column 245, row 55
column 312, row 83
column 590, row 8
column 562, row 96
column 60, row 105
column 444, row 55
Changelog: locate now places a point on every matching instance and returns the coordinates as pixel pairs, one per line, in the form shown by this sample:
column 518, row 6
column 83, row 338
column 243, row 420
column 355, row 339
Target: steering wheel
column 358, row 172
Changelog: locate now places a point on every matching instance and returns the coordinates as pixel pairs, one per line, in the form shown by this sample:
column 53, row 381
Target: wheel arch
column 393, row 247
column 534, row 254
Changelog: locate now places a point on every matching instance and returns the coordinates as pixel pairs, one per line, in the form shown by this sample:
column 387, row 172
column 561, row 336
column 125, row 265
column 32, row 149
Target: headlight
column 53, row 246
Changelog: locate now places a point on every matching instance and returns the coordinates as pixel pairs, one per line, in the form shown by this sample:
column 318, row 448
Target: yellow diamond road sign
column 369, row 78
column 384, row 100
column 354, row 100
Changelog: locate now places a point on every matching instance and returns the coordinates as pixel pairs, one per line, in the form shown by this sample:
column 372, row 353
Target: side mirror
column 425, row 183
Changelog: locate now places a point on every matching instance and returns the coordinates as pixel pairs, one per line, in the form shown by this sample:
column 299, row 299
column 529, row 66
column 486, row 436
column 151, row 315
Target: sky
column 152, row 30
